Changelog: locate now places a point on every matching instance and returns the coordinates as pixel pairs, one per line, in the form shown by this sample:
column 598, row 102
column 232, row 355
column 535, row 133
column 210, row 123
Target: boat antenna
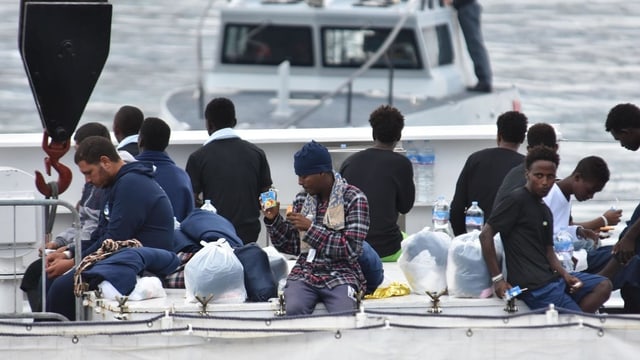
column 372, row 60
column 200, row 60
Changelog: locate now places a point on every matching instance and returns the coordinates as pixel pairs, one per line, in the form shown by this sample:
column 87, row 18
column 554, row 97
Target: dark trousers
column 301, row 298
column 469, row 19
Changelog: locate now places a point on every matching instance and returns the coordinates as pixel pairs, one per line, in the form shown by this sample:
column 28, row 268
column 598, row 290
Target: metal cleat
column 435, row 301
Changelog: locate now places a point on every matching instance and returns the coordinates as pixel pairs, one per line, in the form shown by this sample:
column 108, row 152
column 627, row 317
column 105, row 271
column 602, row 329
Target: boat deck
column 251, row 114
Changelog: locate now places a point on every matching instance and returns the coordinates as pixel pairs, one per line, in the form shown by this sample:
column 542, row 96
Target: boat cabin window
column 264, row 44
column 351, row 47
column 439, row 47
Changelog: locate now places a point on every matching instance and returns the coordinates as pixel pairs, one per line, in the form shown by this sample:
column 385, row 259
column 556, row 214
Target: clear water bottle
column 563, row 246
column 208, row 206
column 440, row 215
column 423, row 160
column 474, row 217
column 427, row 162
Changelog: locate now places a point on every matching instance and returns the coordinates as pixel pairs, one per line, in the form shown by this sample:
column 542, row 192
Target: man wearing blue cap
column 326, row 227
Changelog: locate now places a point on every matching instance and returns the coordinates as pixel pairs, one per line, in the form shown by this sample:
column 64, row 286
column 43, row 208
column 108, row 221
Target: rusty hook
column 55, row 150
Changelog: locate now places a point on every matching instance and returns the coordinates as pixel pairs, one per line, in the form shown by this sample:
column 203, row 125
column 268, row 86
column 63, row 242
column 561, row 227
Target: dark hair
column 512, row 126
column 220, row 113
column 92, row 148
column 128, row 120
column 154, row 134
column 541, row 152
column 91, row 129
column 542, row 134
column 593, row 168
column 387, row 123
column 623, row 116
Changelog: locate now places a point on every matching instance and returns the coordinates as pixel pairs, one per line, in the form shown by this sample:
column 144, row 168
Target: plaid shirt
column 337, row 251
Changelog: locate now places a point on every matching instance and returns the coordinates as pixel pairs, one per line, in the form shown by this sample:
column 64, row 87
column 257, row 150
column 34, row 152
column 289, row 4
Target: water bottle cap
column 474, row 203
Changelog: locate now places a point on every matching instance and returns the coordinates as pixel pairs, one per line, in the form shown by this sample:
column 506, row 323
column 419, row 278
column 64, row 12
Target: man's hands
column 57, row 264
column 500, row 288
column 573, row 283
column 271, row 212
column 299, row 221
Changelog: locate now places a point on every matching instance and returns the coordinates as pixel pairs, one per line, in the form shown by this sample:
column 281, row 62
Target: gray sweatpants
column 301, row 298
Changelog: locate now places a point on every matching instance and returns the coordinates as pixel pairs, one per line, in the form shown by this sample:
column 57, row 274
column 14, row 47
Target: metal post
column 349, row 100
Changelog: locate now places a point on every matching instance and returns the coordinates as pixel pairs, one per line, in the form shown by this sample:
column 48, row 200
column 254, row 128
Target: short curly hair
column 387, row 123
column 512, row 126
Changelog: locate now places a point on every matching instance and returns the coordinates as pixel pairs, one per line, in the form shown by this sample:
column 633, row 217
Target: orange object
column 289, row 209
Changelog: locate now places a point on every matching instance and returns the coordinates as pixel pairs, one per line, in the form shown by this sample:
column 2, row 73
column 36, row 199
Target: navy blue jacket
column 136, row 207
column 174, row 180
column 122, row 268
column 207, row 226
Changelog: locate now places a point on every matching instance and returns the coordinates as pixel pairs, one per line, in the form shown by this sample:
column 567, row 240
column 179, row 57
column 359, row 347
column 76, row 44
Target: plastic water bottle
column 208, row 206
column 423, row 160
column 474, row 217
column 425, row 173
column 440, row 215
column 563, row 246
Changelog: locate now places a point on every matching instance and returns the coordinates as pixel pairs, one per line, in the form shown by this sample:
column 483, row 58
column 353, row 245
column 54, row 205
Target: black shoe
column 480, row 87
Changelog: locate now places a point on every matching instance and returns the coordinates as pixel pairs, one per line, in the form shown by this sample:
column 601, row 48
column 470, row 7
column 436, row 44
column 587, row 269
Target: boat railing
column 47, row 204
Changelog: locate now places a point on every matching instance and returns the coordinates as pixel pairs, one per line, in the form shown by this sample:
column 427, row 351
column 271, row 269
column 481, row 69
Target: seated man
column 328, row 222
column 589, row 177
column 153, row 141
column 525, row 224
column 386, row 177
column 135, row 208
column 89, row 211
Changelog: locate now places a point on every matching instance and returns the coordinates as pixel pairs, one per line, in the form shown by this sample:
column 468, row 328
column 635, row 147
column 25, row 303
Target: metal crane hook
column 55, row 150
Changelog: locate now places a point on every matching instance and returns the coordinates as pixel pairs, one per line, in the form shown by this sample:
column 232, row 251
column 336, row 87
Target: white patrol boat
column 324, row 64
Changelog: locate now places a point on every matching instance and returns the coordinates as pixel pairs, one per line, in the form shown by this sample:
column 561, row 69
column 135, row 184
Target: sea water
column 572, row 60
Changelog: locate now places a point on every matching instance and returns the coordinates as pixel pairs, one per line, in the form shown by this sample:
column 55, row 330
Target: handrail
column 77, row 241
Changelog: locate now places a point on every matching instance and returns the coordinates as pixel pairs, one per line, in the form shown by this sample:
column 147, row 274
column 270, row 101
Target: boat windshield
column 342, row 47
column 351, row 47
column 264, row 44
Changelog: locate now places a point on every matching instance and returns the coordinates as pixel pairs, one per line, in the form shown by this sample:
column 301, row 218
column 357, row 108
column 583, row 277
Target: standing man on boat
column 525, row 224
column 326, row 227
column 469, row 12
column 386, row 178
column 126, row 124
column 484, row 170
column 230, row 171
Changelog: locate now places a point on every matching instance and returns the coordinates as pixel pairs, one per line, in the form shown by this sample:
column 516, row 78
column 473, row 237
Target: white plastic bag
column 467, row 273
column 215, row 271
column 147, row 287
column 424, row 261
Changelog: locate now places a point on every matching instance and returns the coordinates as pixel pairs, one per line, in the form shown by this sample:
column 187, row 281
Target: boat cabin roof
column 331, row 40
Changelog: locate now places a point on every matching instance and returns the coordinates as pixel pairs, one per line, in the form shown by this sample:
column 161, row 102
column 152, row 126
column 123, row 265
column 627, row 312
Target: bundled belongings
column 467, row 273
column 216, row 274
column 424, row 261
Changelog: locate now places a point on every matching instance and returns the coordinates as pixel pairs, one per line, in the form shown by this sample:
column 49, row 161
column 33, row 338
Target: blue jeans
column 469, row 19
column 555, row 293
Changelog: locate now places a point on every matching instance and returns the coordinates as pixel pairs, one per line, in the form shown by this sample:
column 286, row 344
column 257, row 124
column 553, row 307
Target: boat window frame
column 264, row 46
column 407, row 35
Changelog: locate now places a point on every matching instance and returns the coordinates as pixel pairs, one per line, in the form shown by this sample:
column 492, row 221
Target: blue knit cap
column 313, row 158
